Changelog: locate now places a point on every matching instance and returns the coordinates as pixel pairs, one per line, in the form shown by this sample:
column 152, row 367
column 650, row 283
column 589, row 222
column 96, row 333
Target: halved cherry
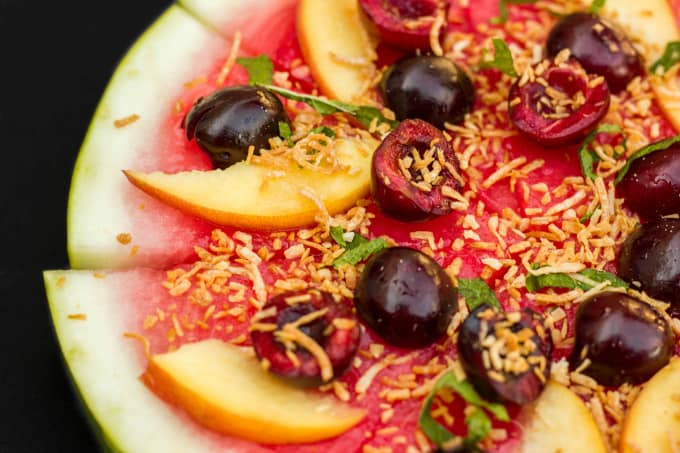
column 415, row 173
column 556, row 102
column 599, row 46
column 506, row 356
column 305, row 336
column 405, row 23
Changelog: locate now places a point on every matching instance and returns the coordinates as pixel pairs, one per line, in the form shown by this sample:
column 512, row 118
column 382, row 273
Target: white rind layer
column 170, row 53
column 105, row 366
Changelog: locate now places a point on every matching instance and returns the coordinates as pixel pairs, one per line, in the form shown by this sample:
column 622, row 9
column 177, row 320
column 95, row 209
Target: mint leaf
column 670, row 57
column 535, row 283
column 586, row 217
column 478, row 428
column 337, row 233
column 365, row 114
column 260, row 69
column 476, row 292
column 325, row 130
column 596, row 6
column 588, row 157
column 286, row 133
column 649, row 149
column 359, row 250
column 502, row 59
column 503, row 10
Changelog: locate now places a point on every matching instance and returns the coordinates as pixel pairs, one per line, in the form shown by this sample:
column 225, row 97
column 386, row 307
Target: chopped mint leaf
column 670, row 57
column 586, row 217
column 596, row 6
column 325, row 130
column 364, row 113
column 359, row 250
column 337, row 234
column 476, row 292
column 260, row 69
column 503, row 10
column 502, row 59
column 588, row 157
column 649, row 149
column 535, row 283
column 478, row 427
column 285, row 132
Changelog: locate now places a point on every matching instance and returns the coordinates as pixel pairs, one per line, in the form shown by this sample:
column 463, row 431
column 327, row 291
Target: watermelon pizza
column 381, row 226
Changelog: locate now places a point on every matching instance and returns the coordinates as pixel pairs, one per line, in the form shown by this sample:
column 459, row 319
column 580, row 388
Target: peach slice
column 653, row 421
column 652, row 22
column 336, row 46
column 225, row 389
column 560, row 421
column 257, row 196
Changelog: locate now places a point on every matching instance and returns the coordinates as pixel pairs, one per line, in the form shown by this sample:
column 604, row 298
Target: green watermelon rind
column 171, row 52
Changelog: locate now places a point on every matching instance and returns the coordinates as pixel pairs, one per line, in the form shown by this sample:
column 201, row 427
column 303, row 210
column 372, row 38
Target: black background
column 56, row 58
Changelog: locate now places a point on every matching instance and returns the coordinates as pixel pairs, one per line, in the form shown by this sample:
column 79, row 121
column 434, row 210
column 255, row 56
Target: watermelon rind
column 170, row 53
column 105, row 366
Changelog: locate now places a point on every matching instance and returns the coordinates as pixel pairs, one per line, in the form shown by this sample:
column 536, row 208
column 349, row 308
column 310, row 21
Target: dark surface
column 57, row 58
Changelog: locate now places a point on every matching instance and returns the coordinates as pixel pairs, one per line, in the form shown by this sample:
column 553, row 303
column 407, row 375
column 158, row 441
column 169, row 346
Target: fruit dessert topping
column 431, row 88
column 650, row 259
column 407, row 24
column 305, row 336
column 620, row 339
column 415, row 173
column 557, row 102
column 228, row 122
column 650, row 183
column 599, row 46
column 506, row 355
column 406, row 297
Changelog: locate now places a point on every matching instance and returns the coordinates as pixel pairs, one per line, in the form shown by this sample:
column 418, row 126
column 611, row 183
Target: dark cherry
column 487, row 342
column 406, row 297
column 340, row 340
column 650, row 258
column 651, row 188
column 404, row 23
column 626, row 340
column 400, row 188
column 430, row 88
column 227, row 122
column 563, row 114
column 599, row 46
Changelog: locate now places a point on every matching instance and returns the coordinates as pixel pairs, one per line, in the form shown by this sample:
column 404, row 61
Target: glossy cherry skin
column 568, row 78
column 395, row 194
column 599, row 46
column 517, row 388
column 405, row 297
column 430, row 88
column 227, row 122
column 651, row 188
column 404, row 23
column 650, row 257
column 339, row 344
column 626, row 340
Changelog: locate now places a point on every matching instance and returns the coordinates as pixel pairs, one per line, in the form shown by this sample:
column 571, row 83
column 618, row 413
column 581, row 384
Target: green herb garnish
column 503, row 9
column 286, row 133
column 364, row 113
column 596, row 6
column 358, row 249
column 325, row 130
column 260, row 69
column 649, row 149
column 502, row 59
column 588, row 157
column 476, row 292
column 478, row 422
column 670, row 57
column 535, row 283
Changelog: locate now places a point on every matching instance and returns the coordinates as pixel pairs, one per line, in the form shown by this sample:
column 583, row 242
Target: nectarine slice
column 225, row 389
column 336, row 46
column 560, row 421
column 257, row 196
column 653, row 421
